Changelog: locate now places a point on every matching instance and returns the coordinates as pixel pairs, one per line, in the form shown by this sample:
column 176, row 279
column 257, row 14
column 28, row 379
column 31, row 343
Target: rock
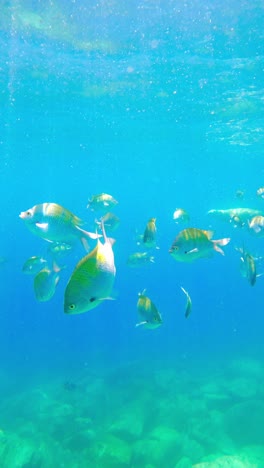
column 247, row 368
column 111, row 452
column 184, row 462
column 244, row 422
column 243, row 387
column 163, row 444
column 192, row 449
column 229, row 461
column 129, row 426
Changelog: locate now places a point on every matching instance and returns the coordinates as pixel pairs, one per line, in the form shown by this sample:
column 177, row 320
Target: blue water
column 159, row 104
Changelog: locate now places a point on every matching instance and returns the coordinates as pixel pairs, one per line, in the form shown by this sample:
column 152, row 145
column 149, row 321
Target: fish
column 240, row 194
column 247, row 266
column 34, row 265
column 260, row 192
column 54, row 223
column 188, row 307
column 192, row 244
column 101, row 202
column 237, row 216
column 59, row 248
column 92, row 280
column 256, row 225
column 45, row 283
column 110, row 220
column 148, row 312
column 149, row 236
column 140, row 258
column 180, row 215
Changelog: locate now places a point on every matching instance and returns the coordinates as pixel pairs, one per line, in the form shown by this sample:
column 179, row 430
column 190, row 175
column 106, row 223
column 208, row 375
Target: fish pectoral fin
column 43, row 226
column 105, row 298
column 141, row 323
column 192, row 251
column 218, row 249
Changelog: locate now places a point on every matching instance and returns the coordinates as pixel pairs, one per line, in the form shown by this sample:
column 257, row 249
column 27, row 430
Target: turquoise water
column 159, row 104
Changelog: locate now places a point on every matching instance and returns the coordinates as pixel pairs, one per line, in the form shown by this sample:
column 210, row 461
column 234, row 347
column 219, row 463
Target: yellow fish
column 180, row 215
column 33, row 265
column 260, row 192
column 256, row 225
column 192, row 244
column 188, row 307
column 92, row 279
column 101, row 202
column 45, row 283
column 149, row 236
column 110, row 220
column 148, row 312
column 139, row 258
column 54, row 223
column 248, row 266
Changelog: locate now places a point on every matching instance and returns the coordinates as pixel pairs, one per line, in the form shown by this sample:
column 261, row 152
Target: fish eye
column 72, row 306
column 92, row 299
column 29, row 213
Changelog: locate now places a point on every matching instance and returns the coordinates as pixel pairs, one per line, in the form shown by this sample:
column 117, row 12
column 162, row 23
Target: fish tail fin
column 56, row 268
column 221, row 242
column 152, row 259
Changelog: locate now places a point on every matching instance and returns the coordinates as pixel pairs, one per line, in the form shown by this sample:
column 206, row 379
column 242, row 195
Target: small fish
column 139, row 238
column 188, row 307
column 54, row 223
column 239, row 217
column 45, row 283
column 148, row 312
column 256, row 225
column 110, row 220
column 248, row 266
column 240, row 194
column 149, row 236
column 92, row 279
column 260, row 192
column 180, row 215
column 33, row 265
column 192, row 244
column 60, row 249
column 101, row 202
column 140, row 258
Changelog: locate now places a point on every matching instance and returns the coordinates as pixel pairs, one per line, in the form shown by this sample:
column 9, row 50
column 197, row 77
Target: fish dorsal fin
column 209, row 234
